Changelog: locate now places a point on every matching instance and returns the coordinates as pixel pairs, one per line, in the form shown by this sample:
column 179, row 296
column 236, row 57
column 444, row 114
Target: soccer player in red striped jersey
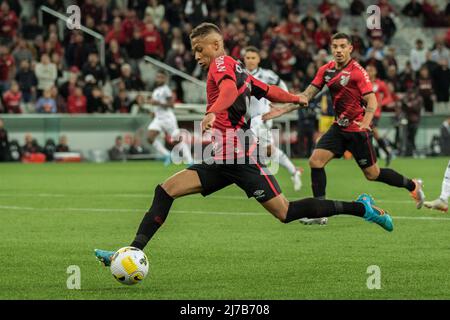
column 355, row 104
column 229, row 88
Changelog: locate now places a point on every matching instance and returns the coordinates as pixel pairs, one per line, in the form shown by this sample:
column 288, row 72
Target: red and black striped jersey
column 232, row 119
column 347, row 87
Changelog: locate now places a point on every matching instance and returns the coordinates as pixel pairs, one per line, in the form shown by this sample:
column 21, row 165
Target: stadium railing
column 62, row 18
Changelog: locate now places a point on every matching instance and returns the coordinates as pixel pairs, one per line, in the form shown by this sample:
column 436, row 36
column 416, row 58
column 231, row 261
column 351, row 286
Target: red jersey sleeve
column 223, row 67
column 259, row 88
column 319, row 81
column 363, row 82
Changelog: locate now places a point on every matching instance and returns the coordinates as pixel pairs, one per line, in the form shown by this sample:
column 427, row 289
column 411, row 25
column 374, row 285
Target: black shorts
column 358, row 143
column 254, row 179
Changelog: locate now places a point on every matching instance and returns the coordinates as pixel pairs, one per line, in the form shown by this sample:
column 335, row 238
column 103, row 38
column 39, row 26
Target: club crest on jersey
column 344, row 80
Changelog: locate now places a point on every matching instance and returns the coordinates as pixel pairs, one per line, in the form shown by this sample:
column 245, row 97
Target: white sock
column 283, row 159
column 445, row 192
column 160, row 148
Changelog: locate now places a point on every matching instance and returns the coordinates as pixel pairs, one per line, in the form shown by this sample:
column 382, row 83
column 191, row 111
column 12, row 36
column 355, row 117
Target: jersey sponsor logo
column 327, row 78
column 343, row 122
column 344, row 80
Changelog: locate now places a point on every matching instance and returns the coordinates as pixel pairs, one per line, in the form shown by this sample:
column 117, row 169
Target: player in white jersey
column 262, row 129
column 165, row 120
column 442, row 202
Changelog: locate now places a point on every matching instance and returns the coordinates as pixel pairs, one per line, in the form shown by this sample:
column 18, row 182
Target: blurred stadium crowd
column 48, row 69
column 41, row 72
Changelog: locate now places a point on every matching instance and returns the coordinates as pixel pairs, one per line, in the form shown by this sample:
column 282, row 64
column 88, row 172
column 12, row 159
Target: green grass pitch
column 224, row 246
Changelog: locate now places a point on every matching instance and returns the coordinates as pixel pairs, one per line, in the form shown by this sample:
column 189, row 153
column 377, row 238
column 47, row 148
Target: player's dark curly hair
column 204, row 29
column 341, row 35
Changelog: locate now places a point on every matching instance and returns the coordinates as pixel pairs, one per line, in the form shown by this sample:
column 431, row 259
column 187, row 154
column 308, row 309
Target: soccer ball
column 129, row 265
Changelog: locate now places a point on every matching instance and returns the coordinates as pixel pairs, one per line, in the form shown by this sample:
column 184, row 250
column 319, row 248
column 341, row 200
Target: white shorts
column 167, row 125
column 263, row 131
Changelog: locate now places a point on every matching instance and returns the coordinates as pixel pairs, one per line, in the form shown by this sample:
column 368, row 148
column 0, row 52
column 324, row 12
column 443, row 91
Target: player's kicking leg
column 182, row 183
column 208, row 179
column 441, row 203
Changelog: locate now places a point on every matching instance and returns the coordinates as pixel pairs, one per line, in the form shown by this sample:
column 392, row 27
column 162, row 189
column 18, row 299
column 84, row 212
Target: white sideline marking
column 150, row 195
column 237, row 213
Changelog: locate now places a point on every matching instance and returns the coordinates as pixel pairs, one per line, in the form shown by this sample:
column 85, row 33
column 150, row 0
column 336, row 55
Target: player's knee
column 315, row 163
column 170, row 188
column 372, row 175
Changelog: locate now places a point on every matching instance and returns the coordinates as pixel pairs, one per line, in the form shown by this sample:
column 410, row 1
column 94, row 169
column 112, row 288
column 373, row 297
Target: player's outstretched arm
column 310, row 92
column 306, row 96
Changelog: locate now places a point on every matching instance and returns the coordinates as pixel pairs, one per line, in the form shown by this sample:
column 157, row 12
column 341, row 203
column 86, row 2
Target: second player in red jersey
column 355, row 105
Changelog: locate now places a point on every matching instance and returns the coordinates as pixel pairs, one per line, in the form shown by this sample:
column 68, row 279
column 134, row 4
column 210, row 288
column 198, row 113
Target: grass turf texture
column 221, row 247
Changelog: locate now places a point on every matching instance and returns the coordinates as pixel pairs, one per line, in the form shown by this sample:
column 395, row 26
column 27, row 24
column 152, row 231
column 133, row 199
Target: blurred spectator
column 46, row 104
column 407, row 78
column 357, row 7
column 441, row 81
column 333, row 15
column 27, row 81
column 12, row 98
column 175, row 12
column 136, row 50
column 62, row 145
column 31, row 146
column 4, row 143
column 56, row 5
column 9, row 23
column 357, row 42
column 155, row 10
column 118, row 151
column 46, row 74
column 430, row 63
column 77, row 102
column 323, row 36
column 310, row 18
column 152, row 41
column 433, row 17
column 425, row 85
column 97, row 102
column 386, row 6
column 137, row 147
column 7, row 68
column 284, row 61
column 412, row 9
column 417, row 55
column 440, row 52
column 139, row 105
column 77, row 50
column 22, row 52
column 130, row 23
column 116, row 33
column 131, row 81
column 376, row 51
column 49, row 149
column 288, row 7
column 93, row 67
column 31, row 29
column 115, row 57
column 121, row 102
column 411, row 105
column 387, row 24
column 68, row 87
column 196, row 11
